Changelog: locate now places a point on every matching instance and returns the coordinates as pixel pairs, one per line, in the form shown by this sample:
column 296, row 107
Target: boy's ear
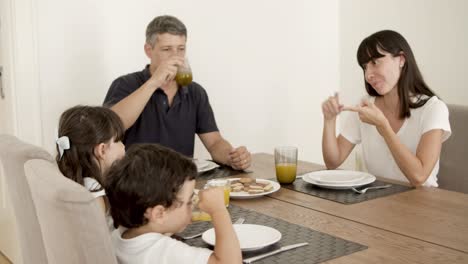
column 100, row 150
column 155, row 214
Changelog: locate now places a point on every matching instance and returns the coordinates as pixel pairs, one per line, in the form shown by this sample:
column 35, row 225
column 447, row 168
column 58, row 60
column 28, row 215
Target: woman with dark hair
column 401, row 124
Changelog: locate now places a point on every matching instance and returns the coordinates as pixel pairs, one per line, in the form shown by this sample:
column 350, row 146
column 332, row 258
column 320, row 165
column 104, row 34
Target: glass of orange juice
column 197, row 213
column 226, row 184
column 184, row 74
column 286, row 164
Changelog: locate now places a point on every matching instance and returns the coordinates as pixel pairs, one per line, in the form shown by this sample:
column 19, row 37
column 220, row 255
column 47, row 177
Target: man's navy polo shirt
column 174, row 127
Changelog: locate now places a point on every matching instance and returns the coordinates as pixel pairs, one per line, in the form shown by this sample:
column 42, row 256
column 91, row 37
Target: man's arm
column 222, row 151
column 131, row 107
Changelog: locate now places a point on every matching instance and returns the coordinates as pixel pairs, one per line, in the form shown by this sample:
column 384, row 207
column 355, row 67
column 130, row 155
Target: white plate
column 251, row 237
column 340, row 178
column 205, row 165
column 330, row 179
column 246, row 195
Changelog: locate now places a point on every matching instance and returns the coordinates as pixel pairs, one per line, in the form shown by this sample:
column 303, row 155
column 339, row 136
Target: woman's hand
column 369, row 113
column 331, row 107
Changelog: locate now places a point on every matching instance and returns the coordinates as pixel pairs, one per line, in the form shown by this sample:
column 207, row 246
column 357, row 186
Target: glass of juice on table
column 286, row 164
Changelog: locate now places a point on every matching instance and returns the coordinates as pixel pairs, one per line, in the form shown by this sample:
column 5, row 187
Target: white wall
column 266, row 65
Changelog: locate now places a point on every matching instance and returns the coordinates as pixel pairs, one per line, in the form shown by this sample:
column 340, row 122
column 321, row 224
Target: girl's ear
column 100, row 151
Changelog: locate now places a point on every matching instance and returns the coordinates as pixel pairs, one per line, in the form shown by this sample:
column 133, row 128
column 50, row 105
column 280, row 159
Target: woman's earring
column 401, row 65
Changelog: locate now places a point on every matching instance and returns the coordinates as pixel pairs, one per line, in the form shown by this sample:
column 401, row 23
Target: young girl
column 89, row 141
column 401, row 124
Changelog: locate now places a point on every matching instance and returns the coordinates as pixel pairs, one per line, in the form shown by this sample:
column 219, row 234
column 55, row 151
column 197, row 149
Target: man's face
column 166, row 46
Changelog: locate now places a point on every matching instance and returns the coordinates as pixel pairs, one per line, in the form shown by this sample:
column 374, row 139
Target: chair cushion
column 453, row 158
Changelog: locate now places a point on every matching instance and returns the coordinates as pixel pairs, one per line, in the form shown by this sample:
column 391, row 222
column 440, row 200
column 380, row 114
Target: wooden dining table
column 422, row 225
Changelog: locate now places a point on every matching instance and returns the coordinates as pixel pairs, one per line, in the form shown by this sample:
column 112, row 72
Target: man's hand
column 239, row 158
column 166, row 71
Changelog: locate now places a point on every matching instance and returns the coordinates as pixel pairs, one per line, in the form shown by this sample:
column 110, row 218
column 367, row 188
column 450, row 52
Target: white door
column 8, row 241
column 6, row 102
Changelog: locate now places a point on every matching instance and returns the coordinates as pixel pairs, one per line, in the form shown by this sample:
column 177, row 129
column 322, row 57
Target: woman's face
column 383, row 73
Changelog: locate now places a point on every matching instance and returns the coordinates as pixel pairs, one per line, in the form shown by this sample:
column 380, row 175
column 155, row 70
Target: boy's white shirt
column 156, row 248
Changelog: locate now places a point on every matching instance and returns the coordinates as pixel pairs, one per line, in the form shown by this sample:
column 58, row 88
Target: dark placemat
column 346, row 196
column 220, row 172
column 322, row 247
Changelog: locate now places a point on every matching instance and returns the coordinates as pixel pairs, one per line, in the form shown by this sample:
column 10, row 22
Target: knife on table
column 282, row 249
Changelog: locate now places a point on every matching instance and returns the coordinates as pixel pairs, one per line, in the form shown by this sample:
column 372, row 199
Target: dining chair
column 73, row 225
column 59, row 221
column 13, row 155
column 453, row 171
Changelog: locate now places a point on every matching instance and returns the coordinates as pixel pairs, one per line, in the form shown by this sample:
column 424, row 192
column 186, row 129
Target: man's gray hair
column 164, row 24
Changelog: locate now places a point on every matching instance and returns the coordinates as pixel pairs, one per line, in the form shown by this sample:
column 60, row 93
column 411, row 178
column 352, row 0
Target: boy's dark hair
column 86, row 127
column 147, row 176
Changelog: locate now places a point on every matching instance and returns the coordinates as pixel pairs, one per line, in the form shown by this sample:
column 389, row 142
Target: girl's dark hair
column 147, row 176
column 86, row 127
column 411, row 82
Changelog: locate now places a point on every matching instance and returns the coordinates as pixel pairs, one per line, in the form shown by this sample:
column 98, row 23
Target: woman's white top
column 376, row 155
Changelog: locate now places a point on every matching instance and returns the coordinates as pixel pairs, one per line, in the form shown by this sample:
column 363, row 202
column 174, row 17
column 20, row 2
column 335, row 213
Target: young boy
column 150, row 194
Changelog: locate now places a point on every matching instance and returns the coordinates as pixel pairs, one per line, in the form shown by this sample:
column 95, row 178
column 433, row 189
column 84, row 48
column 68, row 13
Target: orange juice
column 183, row 78
column 200, row 216
column 225, row 184
column 227, row 192
column 286, row 172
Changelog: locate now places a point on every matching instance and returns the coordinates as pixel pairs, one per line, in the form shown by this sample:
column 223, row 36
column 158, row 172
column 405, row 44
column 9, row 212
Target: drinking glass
column 197, row 213
column 286, row 164
column 221, row 183
column 184, row 74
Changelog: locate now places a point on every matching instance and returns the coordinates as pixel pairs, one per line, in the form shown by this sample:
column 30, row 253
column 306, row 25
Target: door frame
column 20, row 29
column 26, row 90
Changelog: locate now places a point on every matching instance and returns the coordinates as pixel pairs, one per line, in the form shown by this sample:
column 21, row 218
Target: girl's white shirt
column 91, row 184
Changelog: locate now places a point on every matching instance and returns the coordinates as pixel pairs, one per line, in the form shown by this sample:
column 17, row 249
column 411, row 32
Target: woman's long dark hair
column 411, row 82
column 86, row 127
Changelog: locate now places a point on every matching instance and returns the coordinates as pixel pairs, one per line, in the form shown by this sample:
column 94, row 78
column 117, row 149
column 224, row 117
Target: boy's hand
column 212, row 200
